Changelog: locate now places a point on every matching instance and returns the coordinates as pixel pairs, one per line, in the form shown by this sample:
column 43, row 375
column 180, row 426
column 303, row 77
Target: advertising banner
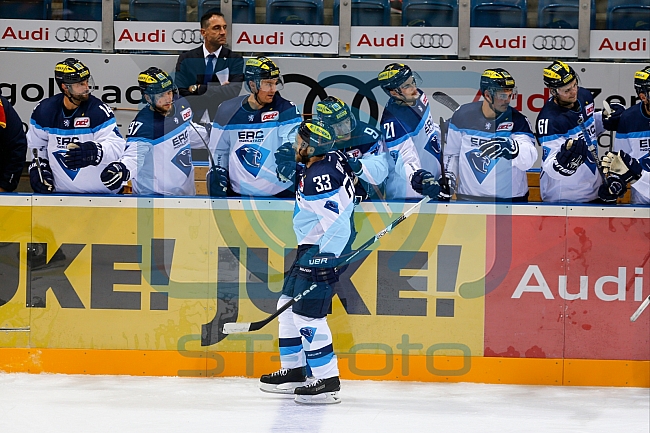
column 619, row 44
column 531, row 42
column 63, row 35
column 298, row 39
column 423, row 41
column 157, row 36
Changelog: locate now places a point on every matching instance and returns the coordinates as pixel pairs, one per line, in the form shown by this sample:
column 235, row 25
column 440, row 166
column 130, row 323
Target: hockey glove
column 612, row 116
column 609, row 191
column 41, row 177
column 217, row 182
column 571, row 156
column 285, row 160
column 114, row 175
column 500, row 147
column 80, row 155
column 623, row 165
column 447, row 186
column 355, row 165
column 424, row 183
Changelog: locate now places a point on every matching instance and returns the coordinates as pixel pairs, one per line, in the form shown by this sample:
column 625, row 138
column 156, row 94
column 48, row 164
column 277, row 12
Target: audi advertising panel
column 619, row 44
column 433, row 41
column 64, row 35
column 157, row 36
column 285, row 39
column 561, row 43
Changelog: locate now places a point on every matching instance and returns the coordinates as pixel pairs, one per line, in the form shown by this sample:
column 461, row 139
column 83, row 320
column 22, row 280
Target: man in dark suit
column 210, row 74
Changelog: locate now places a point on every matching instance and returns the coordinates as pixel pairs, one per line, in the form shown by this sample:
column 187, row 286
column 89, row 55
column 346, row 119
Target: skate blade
column 324, row 398
column 285, row 388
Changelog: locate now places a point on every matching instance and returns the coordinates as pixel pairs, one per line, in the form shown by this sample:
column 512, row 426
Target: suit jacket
column 190, row 69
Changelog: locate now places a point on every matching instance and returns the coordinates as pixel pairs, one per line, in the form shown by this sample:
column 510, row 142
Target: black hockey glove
column 500, row 147
column 627, row 168
column 607, row 192
column 114, row 175
column 571, row 156
column 285, row 159
column 80, row 155
column 217, row 182
column 611, row 118
column 41, row 177
column 424, row 183
column 355, row 165
column 447, row 186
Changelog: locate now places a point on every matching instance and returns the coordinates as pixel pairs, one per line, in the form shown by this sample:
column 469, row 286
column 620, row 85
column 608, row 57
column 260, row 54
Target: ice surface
column 123, row 404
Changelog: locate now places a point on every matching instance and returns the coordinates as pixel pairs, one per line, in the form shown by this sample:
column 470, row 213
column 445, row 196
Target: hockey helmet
column 316, row 135
column 337, row 114
column 558, row 74
column 155, row 81
column 71, row 71
column 496, row 79
column 642, row 81
column 261, row 68
column 394, row 75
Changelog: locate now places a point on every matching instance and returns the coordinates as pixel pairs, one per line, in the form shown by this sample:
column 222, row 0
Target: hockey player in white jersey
column 490, row 145
column 247, row 131
column 74, row 135
column 630, row 160
column 567, row 128
column 412, row 137
column 321, row 221
column 158, row 158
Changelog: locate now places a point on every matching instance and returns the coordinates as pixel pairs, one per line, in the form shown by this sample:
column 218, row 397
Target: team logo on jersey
column 82, row 122
column 480, row 165
column 332, row 205
column 66, row 122
column 394, row 154
column 488, row 126
column 308, row 333
column 505, row 126
column 186, row 114
column 59, row 156
column 183, row 160
column 270, row 116
column 433, row 146
column 252, row 158
column 353, row 153
column 424, row 99
column 589, row 109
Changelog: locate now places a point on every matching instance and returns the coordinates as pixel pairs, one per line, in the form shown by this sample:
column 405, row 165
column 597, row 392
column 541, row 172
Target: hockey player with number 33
column 321, row 221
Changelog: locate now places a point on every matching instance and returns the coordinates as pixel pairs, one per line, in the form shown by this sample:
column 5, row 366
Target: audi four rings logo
column 554, row 42
column 76, row 34
column 187, row 36
column 431, row 40
column 310, row 39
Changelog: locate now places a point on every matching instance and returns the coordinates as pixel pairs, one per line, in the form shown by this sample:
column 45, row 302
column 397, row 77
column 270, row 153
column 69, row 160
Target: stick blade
column 236, row 327
column 640, row 310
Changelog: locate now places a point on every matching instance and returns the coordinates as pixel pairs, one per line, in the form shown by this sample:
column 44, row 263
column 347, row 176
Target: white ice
column 94, row 404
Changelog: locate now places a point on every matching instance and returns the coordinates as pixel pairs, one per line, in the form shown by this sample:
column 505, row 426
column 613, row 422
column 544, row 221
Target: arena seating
column 562, row 13
column 158, row 10
column 26, row 9
column 86, row 10
column 628, row 15
column 243, row 11
column 366, row 12
column 295, row 12
column 499, row 13
column 430, row 13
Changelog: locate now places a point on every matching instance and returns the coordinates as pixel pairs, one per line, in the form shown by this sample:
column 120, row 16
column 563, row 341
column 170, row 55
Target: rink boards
column 531, row 294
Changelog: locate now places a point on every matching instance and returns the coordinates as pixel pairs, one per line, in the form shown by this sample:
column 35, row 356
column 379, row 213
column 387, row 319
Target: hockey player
column 158, row 157
column 490, row 145
column 567, row 128
column 247, row 131
column 412, row 137
column 324, row 206
column 630, row 161
column 74, row 134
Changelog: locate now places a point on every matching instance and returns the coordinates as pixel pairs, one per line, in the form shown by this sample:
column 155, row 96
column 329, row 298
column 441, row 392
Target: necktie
column 209, row 68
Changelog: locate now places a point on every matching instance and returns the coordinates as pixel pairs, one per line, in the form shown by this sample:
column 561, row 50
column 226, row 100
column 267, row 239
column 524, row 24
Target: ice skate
column 321, row 391
column 283, row 381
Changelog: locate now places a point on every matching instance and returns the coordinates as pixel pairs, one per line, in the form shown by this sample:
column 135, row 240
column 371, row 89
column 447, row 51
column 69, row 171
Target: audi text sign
column 51, row 34
column 620, row 44
column 561, row 43
column 159, row 36
column 431, row 41
column 285, row 38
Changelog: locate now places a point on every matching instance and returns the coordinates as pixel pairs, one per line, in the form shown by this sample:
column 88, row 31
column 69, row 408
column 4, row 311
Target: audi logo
column 187, row 36
column 76, row 34
column 431, row 40
column 554, row 42
column 310, row 39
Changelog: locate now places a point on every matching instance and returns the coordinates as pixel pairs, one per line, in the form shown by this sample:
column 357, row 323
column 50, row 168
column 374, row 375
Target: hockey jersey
column 324, row 205
column 413, row 143
column 633, row 138
column 51, row 131
column 554, row 126
column 368, row 144
column 244, row 142
column 158, row 154
column 481, row 176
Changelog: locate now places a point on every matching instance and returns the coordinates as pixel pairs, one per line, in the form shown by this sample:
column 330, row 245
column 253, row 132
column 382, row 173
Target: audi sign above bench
column 425, row 41
column 294, row 39
column 554, row 43
column 65, row 35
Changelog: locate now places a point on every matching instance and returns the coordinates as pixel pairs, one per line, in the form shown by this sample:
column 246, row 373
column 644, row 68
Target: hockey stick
column 592, row 148
column 445, row 100
column 38, row 165
column 640, row 310
column 235, row 327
